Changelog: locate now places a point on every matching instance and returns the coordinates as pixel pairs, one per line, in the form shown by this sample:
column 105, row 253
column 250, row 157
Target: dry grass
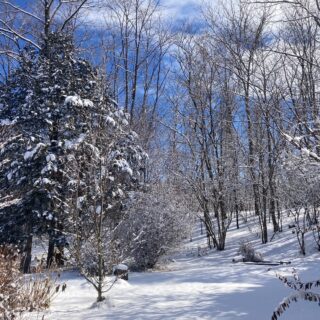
column 22, row 293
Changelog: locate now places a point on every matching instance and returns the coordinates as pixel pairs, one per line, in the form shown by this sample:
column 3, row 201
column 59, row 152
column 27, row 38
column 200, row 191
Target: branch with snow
column 296, row 142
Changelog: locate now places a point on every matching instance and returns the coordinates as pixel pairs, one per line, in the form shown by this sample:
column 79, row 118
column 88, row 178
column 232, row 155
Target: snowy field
column 206, row 287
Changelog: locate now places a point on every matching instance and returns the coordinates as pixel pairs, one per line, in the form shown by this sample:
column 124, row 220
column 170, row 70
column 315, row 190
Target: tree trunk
column 272, row 212
column 50, row 255
column 236, row 208
column 26, row 259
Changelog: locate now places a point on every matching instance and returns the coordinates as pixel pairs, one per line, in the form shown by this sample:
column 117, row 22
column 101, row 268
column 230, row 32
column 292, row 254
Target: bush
column 21, row 293
column 9, row 282
column 154, row 223
column 248, row 253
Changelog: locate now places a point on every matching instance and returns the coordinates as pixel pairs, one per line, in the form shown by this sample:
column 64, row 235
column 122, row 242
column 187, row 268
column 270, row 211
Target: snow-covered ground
column 206, row 287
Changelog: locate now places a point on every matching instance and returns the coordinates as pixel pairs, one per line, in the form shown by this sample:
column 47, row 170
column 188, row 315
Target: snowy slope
column 192, row 287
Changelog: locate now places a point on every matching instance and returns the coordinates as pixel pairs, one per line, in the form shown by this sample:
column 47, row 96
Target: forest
column 126, row 126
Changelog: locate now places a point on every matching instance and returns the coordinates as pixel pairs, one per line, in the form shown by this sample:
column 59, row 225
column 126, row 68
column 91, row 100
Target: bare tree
column 207, row 134
column 242, row 37
column 20, row 26
column 135, row 44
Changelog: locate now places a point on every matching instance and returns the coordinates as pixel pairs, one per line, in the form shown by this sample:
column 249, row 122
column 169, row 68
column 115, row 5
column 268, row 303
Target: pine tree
column 61, row 127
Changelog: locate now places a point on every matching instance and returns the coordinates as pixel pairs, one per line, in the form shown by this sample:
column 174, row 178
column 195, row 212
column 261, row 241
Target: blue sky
column 172, row 8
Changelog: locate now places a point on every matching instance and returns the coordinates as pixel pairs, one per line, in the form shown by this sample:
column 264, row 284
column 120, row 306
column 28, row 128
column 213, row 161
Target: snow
column 9, row 175
column 74, row 101
column 120, row 192
column 119, row 113
column 199, row 287
column 71, row 144
column 13, row 163
column 124, row 166
column 125, row 122
column 288, row 137
column 46, row 181
column 80, row 200
column 88, row 103
column 305, row 151
column 9, row 203
column 72, row 183
column 115, row 103
column 110, row 121
column 120, row 266
column 30, row 153
column 7, row 122
column 50, row 157
column 134, row 135
column 48, row 168
column 309, row 153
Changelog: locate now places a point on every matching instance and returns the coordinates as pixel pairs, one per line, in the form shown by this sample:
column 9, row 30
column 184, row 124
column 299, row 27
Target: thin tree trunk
column 26, row 260
column 50, row 255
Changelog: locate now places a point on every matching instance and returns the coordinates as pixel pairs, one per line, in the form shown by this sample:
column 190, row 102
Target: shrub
column 154, row 223
column 9, row 282
column 248, row 253
column 20, row 293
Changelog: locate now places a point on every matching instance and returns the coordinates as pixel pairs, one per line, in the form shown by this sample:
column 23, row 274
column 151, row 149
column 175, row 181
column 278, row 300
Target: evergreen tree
column 50, row 107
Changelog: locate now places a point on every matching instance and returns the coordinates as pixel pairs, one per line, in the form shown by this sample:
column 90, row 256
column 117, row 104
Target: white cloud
column 169, row 9
column 181, row 8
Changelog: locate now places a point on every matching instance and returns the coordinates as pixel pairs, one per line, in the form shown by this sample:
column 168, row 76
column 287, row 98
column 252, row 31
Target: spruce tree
column 59, row 122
